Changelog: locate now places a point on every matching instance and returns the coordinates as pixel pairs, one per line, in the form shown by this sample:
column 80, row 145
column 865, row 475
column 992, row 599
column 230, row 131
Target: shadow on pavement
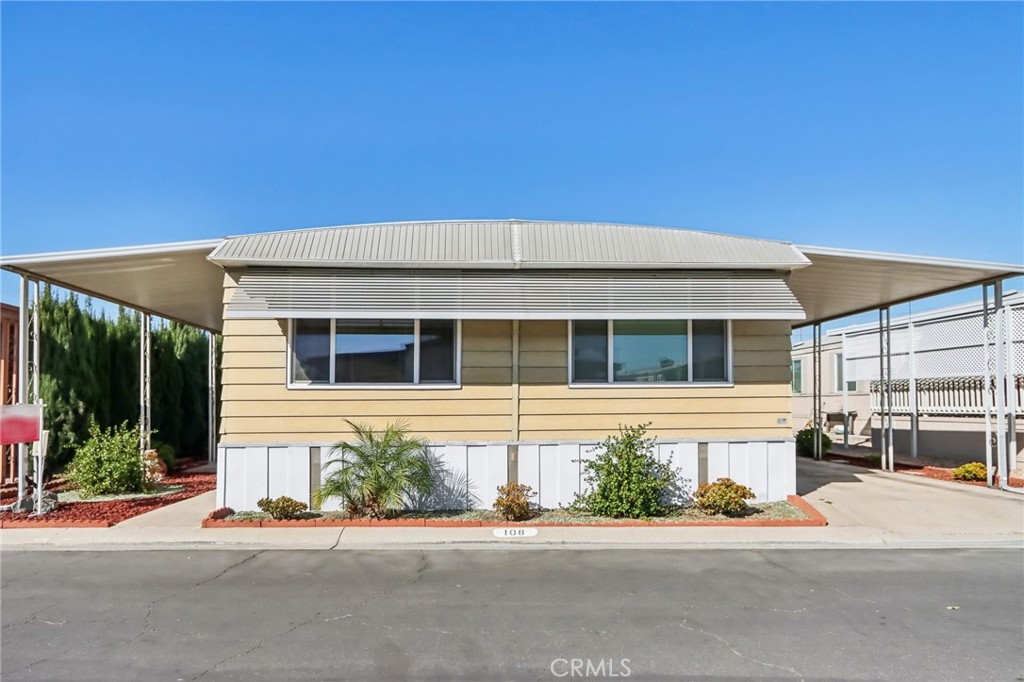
column 812, row 475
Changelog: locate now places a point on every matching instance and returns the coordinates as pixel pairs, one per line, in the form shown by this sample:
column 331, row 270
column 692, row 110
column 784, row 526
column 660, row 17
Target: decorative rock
column 155, row 467
column 49, row 502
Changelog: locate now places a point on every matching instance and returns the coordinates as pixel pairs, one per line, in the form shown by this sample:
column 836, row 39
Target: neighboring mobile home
column 513, row 346
column 938, row 379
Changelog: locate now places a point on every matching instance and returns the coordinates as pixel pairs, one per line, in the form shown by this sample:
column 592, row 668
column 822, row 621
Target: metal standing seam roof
column 507, row 244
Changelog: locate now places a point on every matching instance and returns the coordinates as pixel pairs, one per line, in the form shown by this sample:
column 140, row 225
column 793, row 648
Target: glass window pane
column 798, row 376
column 590, row 351
column 650, row 350
column 709, row 350
column 311, row 351
column 437, row 351
column 374, row 351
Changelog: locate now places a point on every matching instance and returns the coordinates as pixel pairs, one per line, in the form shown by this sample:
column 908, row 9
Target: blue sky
column 879, row 126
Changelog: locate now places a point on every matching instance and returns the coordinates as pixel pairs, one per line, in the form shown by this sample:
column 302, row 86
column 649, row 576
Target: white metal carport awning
column 174, row 281
column 843, row 282
column 268, row 292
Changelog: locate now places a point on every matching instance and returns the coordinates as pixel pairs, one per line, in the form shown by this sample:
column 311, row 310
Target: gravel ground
column 158, row 489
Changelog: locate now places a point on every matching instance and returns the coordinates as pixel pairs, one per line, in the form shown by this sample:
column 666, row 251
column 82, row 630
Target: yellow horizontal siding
column 257, row 406
column 696, row 421
column 280, row 393
column 318, row 407
column 253, row 360
column 424, row 425
column 585, row 393
column 334, row 435
column 655, row 406
column 255, row 344
column 756, row 433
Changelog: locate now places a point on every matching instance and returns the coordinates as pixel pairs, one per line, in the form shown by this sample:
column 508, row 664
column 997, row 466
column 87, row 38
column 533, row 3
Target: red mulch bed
column 114, row 511
column 938, row 473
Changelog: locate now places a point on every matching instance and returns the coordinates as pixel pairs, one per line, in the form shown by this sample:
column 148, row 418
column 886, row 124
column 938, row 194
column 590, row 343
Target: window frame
column 610, row 383
column 797, row 390
column 414, row 385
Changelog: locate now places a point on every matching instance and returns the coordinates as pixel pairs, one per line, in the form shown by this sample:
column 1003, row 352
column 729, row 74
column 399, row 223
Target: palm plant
column 378, row 471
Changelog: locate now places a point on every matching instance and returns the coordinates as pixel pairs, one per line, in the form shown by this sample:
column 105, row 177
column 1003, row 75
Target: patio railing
column 955, row 396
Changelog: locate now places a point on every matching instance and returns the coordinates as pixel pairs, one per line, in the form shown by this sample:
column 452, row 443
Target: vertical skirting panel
column 568, row 473
column 529, row 466
column 683, row 458
column 757, row 470
column 488, row 469
column 222, row 477
column 288, row 472
column 718, row 461
column 547, row 491
column 781, row 470
column 467, row 476
column 588, row 451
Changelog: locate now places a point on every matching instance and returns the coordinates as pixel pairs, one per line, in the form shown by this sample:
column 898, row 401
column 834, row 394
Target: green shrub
column 167, row 454
column 625, row 479
column 513, row 501
column 108, row 463
column 805, row 442
column 281, row 507
column 724, row 496
column 972, row 471
column 379, row 471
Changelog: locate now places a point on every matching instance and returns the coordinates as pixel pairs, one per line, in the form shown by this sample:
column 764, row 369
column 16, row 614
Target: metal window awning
column 486, row 294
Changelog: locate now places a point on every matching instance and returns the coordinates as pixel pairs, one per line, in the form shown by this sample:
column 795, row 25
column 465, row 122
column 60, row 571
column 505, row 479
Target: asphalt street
column 513, row 615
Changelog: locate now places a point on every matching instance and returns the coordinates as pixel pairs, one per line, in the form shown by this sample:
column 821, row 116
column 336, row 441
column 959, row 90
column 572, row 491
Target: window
column 311, row 351
column 387, row 352
column 709, row 350
column 590, row 351
column 838, row 374
column 798, row 376
column 649, row 351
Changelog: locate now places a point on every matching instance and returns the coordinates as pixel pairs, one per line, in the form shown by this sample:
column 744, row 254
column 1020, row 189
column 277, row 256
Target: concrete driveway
column 905, row 505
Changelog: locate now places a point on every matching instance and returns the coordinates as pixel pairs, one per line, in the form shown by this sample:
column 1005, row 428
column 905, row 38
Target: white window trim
column 799, row 389
column 728, row 382
column 415, row 386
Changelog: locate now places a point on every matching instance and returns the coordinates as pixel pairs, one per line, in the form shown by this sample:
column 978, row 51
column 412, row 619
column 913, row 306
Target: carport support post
column 37, row 398
column 1002, row 456
column 816, row 357
column 986, row 395
column 145, row 412
column 846, row 399
column 1011, row 394
column 888, row 385
column 881, row 387
column 211, row 398
column 912, row 387
column 22, row 379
